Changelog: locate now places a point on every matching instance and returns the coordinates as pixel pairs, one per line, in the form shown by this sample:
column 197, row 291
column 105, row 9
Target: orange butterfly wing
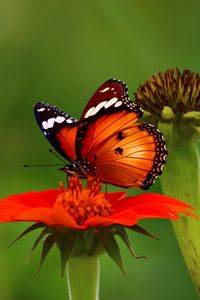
column 58, row 127
column 121, row 152
column 133, row 157
column 102, row 129
column 66, row 138
column 118, row 150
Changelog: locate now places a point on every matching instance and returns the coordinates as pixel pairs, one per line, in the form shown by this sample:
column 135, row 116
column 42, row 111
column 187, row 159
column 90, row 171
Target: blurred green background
column 60, row 52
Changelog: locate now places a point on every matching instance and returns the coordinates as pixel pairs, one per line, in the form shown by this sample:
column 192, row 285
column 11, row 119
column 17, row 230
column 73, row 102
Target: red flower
column 84, row 221
column 79, row 208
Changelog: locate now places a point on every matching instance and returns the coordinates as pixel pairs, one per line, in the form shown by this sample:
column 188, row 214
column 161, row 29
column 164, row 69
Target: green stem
column 181, row 180
column 83, row 277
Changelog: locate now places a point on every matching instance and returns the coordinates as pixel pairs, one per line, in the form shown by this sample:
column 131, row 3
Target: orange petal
column 127, row 218
column 152, row 210
column 9, row 212
column 113, row 198
column 134, row 201
column 44, row 198
column 61, row 217
column 38, row 214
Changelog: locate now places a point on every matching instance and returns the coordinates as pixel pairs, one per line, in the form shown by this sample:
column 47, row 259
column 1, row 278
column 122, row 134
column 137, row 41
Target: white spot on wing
column 41, row 109
column 69, row 121
column 44, row 125
column 117, row 104
column 59, row 119
column 50, row 122
column 89, row 112
column 111, row 102
column 98, row 107
column 105, row 90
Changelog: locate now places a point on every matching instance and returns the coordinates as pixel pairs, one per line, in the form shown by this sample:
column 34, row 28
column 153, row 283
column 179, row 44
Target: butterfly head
column 76, row 168
column 69, row 169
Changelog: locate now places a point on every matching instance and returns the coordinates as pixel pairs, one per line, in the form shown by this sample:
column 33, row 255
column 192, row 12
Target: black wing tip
column 133, row 106
column 116, row 80
column 123, row 83
column 41, row 104
column 38, row 105
column 138, row 109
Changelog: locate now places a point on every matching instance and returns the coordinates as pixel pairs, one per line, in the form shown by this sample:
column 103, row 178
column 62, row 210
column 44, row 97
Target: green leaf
column 121, row 232
column 112, row 248
column 48, row 243
column 37, row 241
column 29, row 229
column 66, row 245
column 140, row 229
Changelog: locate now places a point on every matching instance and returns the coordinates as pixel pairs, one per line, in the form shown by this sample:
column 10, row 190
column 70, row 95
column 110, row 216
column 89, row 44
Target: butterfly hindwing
column 133, row 157
column 93, row 133
column 58, row 127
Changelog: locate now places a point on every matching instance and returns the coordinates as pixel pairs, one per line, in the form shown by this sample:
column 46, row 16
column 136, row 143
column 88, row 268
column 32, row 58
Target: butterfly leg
column 106, row 190
column 67, row 177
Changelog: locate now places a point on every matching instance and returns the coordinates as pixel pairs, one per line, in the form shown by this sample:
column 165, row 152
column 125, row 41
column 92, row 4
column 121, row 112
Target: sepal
column 65, row 244
column 36, row 243
column 28, row 230
column 77, row 243
column 121, row 232
column 140, row 229
column 112, row 249
column 48, row 244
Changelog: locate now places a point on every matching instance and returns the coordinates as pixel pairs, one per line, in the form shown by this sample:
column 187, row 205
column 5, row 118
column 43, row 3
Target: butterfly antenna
column 49, row 165
column 43, row 165
column 56, row 155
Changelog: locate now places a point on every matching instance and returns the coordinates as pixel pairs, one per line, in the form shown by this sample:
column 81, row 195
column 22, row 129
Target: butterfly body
column 79, row 168
column 106, row 142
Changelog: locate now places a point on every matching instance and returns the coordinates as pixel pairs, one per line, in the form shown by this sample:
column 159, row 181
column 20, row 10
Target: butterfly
column 106, row 142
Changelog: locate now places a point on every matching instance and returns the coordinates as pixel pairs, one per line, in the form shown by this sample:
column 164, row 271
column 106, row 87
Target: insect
column 106, row 142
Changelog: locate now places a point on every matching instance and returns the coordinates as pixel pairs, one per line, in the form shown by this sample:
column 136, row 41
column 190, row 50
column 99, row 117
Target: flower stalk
column 172, row 102
column 181, row 179
column 83, row 277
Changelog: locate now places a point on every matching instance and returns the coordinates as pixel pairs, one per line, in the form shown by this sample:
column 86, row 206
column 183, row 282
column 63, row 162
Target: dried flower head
column 178, row 90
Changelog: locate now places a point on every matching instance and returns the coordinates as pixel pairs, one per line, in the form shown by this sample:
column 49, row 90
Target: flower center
column 86, row 203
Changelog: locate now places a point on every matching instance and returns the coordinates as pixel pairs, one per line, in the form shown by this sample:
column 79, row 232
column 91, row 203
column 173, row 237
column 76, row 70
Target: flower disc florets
column 83, row 204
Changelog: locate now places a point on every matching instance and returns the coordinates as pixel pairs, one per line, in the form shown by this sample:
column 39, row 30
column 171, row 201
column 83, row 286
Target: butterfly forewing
column 58, row 127
column 109, row 110
column 111, row 93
